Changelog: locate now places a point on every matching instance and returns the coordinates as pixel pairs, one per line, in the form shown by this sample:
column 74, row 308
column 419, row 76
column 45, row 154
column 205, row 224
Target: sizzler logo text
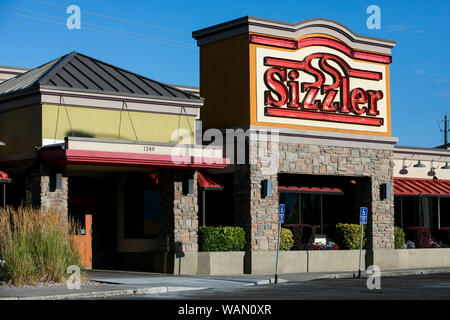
column 355, row 106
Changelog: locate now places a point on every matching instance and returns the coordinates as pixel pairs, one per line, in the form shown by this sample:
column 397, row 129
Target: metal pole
column 321, row 215
column 300, row 208
column 360, row 252
column 203, row 207
column 439, row 212
column 278, row 249
column 401, row 212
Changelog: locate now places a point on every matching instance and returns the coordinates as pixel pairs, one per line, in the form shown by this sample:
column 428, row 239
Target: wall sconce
column 266, row 188
column 404, row 167
column 419, row 165
column 385, row 191
column 432, row 173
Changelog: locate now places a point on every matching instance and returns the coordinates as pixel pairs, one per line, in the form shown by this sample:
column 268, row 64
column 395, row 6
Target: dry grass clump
column 36, row 246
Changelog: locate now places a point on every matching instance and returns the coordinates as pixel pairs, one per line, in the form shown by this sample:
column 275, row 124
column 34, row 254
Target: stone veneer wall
column 322, row 160
column 178, row 212
column 38, row 193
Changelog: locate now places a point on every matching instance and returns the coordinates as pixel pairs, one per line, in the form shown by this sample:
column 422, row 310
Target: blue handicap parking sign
column 281, row 213
column 363, row 215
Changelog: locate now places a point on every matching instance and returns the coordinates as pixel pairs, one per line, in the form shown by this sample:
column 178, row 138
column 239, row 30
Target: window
column 140, row 208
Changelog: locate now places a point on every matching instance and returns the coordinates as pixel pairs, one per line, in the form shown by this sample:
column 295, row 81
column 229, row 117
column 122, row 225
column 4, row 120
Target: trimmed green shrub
column 221, row 238
column 399, row 237
column 286, row 239
column 348, row 236
column 303, row 236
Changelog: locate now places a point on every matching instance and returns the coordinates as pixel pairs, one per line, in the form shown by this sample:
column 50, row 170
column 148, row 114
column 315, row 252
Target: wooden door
column 80, row 211
column 84, row 241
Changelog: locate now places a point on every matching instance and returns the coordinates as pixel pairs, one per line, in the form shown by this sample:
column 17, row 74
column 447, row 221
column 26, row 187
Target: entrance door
column 80, row 212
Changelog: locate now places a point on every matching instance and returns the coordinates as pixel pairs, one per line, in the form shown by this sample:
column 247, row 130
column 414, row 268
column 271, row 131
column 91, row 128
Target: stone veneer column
column 178, row 217
column 263, row 211
column 38, row 193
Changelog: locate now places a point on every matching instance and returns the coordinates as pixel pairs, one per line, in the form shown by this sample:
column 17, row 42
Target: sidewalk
column 108, row 283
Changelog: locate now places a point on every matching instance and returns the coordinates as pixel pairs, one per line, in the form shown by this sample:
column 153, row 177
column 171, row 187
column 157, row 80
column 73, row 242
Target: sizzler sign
column 339, row 102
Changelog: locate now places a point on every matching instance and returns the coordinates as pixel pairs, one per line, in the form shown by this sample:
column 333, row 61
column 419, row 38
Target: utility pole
column 446, row 129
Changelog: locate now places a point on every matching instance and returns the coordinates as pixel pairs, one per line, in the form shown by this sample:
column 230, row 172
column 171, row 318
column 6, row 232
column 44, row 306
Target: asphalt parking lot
column 412, row 287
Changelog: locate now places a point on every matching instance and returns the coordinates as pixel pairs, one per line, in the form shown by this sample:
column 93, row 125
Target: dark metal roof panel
column 26, row 79
column 76, row 71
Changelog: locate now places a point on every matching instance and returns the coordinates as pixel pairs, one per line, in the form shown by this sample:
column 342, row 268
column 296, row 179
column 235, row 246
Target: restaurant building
column 305, row 111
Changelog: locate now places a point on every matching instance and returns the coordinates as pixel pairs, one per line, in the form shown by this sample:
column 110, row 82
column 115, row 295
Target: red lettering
column 308, row 101
column 358, row 96
column 374, row 96
column 345, row 95
column 328, row 104
column 284, row 89
column 276, row 86
column 294, row 93
column 318, row 75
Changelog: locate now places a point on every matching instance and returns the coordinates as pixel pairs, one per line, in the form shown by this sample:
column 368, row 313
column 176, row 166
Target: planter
column 216, row 263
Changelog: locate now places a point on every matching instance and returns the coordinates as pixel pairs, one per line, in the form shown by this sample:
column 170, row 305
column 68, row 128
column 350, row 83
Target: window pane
column 150, row 212
column 310, row 209
column 291, row 210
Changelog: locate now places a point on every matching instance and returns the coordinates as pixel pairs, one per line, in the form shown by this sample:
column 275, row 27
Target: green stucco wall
column 20, row 130
column 104, row 124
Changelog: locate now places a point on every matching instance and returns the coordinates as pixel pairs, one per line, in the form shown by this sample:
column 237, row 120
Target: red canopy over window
column 319, row 190
column 4, row 178
column 426, row 187
column 208, row 182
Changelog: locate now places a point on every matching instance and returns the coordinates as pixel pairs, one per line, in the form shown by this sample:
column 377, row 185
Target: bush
column 36, row 246
column 286, row 239
column 421, row 236
column 444, row 235
column 399, row 237
column 221, row 238
column 303, row 236
column 348, row 236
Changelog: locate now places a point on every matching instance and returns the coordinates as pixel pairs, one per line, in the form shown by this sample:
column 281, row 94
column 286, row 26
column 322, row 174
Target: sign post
column 280, row 221
column 362, row 222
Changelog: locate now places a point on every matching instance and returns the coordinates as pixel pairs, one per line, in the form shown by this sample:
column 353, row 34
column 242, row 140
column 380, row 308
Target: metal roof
column 78, row 72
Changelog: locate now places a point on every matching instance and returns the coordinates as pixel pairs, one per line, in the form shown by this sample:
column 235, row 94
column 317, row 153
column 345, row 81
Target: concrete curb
column 388, row 273
column 109, row 293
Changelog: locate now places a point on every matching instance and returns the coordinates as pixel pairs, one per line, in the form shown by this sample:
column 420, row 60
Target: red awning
column 208, row 182
column 426, row 187
column 4, row 178
column 319, row 190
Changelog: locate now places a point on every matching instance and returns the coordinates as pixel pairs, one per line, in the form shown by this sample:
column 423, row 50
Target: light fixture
column 419, row 165
column 446, row 166
column 403, row 170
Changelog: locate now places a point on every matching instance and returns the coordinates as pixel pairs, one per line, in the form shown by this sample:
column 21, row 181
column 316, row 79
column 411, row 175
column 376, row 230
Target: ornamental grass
column 36, row 246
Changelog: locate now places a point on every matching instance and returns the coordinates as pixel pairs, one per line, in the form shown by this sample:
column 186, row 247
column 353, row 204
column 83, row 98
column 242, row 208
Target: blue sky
column 153, row 38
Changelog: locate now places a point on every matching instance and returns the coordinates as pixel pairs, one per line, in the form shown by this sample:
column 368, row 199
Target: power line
column 102, row 31
column 116, row 18
column 99, row 26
